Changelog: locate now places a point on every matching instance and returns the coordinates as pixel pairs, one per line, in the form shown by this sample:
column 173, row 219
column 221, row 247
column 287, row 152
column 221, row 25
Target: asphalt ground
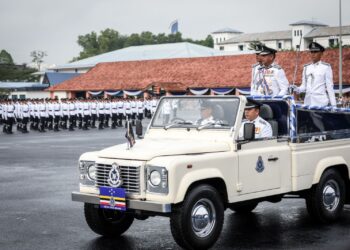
column 38, row 172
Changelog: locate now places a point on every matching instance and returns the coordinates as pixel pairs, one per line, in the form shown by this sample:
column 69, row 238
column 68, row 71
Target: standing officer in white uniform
column 317, row 79
column 262, row 128
column 270, row 78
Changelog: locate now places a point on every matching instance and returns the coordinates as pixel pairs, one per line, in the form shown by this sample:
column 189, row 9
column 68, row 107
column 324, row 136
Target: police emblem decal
column 114, row 176
column 260, row 165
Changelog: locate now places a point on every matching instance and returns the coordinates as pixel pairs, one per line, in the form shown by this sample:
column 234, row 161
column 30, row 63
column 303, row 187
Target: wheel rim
column 331, row 194
column 203, row 217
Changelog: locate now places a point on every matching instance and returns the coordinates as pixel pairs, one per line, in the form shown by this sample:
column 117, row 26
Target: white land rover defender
column 191, row 168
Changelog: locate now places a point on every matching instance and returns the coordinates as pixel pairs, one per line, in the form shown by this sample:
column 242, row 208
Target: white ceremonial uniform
column 65, row 107
column 93, row 107
column 262, row 128
column 72, row 109
column 317, row 83
column 51, row 109
column 57, row 108
column 140, row 107
column 43, row 110
column 114, row 107
column 36, row 110
column 100, row 108
column 108, row 110
column 32, row 109
column 154, row 103
column 25, row 110
column 127, row 107
column 269, row 80
column 10, row 110
column 120, row 107
column 87, row 109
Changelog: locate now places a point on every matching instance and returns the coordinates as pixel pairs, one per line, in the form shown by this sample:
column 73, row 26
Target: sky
column 54, row 26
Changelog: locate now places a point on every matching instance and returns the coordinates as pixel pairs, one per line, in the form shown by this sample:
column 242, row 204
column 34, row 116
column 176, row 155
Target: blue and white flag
column 174, row 27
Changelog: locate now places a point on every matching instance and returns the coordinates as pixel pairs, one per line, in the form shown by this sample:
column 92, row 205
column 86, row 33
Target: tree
column 253, row 44
column 5, row 57
column 110, row 40
column 38, row 56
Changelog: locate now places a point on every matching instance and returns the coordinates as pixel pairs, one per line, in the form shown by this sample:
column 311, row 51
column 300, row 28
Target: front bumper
column 130, row 204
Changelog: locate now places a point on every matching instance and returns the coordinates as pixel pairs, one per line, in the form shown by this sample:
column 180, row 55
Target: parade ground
column 38, row 172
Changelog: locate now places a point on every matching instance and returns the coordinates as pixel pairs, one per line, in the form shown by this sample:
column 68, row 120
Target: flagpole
column 340, row 54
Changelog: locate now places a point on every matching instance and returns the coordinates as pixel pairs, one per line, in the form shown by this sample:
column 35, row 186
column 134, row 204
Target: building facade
column 300, row 35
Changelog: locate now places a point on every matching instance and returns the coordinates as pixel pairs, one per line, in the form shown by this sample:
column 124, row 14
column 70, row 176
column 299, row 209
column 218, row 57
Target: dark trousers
column 93, row 120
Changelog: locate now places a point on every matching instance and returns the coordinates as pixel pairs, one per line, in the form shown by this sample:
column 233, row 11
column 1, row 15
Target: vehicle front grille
column 129, row 174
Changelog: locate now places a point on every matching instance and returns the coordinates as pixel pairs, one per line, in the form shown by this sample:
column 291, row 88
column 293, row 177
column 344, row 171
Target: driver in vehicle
column 262, row 128
column 206, row 114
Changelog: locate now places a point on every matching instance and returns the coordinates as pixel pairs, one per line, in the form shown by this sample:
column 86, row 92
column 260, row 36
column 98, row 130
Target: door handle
column 272, row 158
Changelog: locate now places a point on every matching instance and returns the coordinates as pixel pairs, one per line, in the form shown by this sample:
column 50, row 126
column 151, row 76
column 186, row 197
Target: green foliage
column 253, row 44
column 5, row 57
column 110, row 40
column 37, row 57
column 17, row 73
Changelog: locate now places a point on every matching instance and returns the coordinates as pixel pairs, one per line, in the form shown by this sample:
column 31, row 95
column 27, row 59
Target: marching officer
column 25, row 116
column 270, row 78
column 86, row 114
column 58, row 115
column 317, row 79
column 114, row 107
column 93, row 113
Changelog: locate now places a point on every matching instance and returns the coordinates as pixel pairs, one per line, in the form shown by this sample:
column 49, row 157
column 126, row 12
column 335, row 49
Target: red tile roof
column 180, row 74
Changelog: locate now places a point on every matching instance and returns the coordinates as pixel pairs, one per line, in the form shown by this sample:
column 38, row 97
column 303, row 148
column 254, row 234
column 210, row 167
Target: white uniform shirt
column 87, row 109
column 100, row 108
column 57, row 109
column 72, row 108
column 65, row 107
column 127, row 107
column 140, row 107
column 93, row 107
column 114, row 107
column 262, row 128
column 317, row 82
column 24, row 110
column 10, row 110
column 120, row 107
column 269, row 80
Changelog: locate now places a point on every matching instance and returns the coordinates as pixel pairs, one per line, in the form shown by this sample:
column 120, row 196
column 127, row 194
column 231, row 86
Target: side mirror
column 249, row 131
column 138, row 128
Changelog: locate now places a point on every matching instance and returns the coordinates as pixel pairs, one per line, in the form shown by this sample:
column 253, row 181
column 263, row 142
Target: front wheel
column 106, row 222
column 197, row 223
column 325, row 200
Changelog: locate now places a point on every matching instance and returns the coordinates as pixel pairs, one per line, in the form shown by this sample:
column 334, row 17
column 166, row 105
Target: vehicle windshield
column 199, row 112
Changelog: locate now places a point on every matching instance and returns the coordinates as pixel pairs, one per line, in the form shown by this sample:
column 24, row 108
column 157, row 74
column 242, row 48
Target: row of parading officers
column 50, row 107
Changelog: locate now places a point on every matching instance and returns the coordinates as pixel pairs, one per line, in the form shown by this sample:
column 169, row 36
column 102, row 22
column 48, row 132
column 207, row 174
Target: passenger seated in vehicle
column 206, row 114
column 262, row 128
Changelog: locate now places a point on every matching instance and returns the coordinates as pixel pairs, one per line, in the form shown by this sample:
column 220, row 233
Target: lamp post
column 340, row 54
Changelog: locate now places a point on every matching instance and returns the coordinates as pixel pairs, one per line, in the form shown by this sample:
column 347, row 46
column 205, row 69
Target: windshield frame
column 195, row 126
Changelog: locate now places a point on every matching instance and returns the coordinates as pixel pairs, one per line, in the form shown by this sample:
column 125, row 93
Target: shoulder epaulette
column 305, row 65
column 254, row 65
column 262, row 122
column 276, row 66
column 324, row 63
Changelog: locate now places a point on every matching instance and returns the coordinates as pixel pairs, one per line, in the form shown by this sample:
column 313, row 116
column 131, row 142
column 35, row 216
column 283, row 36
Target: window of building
column 217, row 40
column 240, row 47
column 279, row 45
column 295, row 33
column 301, row 32
column 298, row 46
column 14, row 97
column 22, row 97
column 222, row 48
column 333, row 42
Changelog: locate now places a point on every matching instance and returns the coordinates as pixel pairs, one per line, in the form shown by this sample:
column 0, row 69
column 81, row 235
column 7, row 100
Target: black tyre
column 244, row 208
column 325, row 200
column 197, row 223
column 106, row 222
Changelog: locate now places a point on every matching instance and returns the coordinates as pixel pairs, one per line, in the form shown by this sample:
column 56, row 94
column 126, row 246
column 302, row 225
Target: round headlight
column 155, row 178
column 91, row 170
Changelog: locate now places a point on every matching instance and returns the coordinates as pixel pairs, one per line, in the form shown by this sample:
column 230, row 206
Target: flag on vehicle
column 130, row 134
column 174, row 27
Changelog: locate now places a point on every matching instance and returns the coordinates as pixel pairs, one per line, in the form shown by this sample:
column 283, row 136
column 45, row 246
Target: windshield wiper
column 178, row 123
column 213, row 124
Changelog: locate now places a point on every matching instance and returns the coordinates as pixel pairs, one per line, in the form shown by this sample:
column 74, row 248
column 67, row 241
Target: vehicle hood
column 148, row 149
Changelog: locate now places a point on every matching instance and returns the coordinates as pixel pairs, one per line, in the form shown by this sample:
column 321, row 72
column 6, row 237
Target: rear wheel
column 107, row 222
column 197, row 223
column 325, row 200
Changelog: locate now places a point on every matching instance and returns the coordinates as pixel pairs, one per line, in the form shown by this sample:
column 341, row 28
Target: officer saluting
column 317, row 79
column 270, row 78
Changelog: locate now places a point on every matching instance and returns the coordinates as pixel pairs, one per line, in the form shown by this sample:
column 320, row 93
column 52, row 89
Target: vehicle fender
column 324, row 164
column 194, row 176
